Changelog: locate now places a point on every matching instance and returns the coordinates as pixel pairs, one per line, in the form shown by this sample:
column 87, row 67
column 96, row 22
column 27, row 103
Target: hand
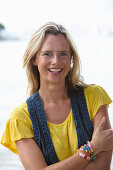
column 102, row 140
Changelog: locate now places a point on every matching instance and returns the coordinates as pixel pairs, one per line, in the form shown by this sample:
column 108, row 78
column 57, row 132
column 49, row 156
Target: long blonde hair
column 73, row 79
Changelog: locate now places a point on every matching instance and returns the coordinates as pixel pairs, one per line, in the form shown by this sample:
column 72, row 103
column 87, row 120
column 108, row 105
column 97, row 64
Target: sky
column 24, row 15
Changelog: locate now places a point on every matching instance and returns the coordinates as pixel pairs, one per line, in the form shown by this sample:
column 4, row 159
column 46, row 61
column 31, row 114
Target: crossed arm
column 32, row 157
column 103, row 159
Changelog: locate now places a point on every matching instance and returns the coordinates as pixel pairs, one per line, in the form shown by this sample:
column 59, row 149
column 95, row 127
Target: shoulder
column 93, row 89
column 18, row 126
column 96, row 96
column 21, row 113
column 96, row 91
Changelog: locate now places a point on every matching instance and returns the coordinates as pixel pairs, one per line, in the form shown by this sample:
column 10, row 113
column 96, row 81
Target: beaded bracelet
column 86, row 151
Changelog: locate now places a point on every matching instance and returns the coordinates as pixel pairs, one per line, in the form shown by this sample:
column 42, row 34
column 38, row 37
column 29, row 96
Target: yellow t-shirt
column 63, row 135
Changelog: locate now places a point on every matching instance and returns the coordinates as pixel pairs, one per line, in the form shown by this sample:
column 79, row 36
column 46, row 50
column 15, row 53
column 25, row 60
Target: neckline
column 64, row 122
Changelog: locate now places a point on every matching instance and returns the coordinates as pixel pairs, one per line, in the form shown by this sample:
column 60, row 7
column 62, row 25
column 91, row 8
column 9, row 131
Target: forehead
column 55, row 42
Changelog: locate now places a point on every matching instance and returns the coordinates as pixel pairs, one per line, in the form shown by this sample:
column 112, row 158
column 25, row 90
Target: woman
column 62, row 112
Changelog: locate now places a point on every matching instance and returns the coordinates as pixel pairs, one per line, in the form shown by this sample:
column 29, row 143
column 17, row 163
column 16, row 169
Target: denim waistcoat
column 41, row 132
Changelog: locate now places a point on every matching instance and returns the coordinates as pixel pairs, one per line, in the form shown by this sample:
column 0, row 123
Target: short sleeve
column 17, row 127
column 96, row 96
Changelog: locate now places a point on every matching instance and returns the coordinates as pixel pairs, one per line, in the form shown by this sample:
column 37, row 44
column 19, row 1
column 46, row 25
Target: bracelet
column 86, row 151
column 93, row 157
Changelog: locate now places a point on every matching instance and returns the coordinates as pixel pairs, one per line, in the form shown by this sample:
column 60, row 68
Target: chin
column 56, row 81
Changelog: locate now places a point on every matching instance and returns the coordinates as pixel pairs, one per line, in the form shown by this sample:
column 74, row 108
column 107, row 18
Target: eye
column 64, row 54
column 47, row 54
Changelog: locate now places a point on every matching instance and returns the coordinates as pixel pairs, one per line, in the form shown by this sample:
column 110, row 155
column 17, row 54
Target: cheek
column 68, row 62
column 42, row 64
column 40, row 61
column 69, row 59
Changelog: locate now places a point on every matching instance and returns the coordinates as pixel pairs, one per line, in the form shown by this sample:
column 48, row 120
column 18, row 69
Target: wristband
column 86, row 151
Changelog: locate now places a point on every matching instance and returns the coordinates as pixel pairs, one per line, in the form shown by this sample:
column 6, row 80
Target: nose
column 55, row 59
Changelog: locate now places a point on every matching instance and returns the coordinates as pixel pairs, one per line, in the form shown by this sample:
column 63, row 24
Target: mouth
column 55, row 70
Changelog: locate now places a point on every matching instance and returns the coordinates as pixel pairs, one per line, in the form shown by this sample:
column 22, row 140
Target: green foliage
column 2, row 27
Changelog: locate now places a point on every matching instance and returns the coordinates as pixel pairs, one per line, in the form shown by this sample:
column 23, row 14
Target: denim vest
column 41, row 132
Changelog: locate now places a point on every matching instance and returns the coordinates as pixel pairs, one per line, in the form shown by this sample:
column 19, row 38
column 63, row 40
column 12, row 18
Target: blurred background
column 89, row 22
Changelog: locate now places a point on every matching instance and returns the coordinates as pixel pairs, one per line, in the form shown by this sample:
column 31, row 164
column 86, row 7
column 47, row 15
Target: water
column 96, row 55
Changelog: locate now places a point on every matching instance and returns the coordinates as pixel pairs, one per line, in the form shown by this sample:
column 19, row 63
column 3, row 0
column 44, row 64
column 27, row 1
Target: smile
column 55, row 70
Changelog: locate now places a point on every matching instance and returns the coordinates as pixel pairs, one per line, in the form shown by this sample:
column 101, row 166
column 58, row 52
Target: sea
column 96, row 53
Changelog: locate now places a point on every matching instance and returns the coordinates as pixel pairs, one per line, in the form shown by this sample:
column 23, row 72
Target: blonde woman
column 64, row 124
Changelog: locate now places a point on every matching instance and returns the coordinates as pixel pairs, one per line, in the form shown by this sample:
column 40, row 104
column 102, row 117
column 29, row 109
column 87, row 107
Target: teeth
column 55, row 70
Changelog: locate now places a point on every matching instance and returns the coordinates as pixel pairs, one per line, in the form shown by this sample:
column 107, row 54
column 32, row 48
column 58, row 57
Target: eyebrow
column 52, row 51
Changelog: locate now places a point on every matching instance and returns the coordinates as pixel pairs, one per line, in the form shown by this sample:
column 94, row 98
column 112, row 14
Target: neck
column 53, row 93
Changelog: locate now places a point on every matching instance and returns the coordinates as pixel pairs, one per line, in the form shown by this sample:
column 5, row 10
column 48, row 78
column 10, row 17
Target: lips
column 55, row 70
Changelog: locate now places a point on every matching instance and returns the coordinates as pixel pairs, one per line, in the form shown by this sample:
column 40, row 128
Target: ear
column 33, row 60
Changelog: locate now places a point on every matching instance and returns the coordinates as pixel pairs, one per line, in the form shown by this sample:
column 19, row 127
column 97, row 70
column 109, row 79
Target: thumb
column 102, row 123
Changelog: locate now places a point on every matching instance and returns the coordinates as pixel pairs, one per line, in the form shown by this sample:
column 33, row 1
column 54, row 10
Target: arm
column 103, row 160
column 32, row 157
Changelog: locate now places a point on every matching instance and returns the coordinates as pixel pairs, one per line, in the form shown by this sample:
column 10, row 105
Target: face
column 53, row 59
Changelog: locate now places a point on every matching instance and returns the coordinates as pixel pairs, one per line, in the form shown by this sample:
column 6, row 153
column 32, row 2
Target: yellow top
column 63, row 135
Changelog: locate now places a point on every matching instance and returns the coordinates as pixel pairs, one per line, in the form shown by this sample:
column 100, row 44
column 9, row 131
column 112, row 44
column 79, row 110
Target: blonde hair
column 73, row 79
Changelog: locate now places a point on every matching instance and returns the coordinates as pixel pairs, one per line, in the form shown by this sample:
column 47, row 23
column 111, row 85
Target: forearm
column 103, row 161
column 32, row 158
column 71, row 163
